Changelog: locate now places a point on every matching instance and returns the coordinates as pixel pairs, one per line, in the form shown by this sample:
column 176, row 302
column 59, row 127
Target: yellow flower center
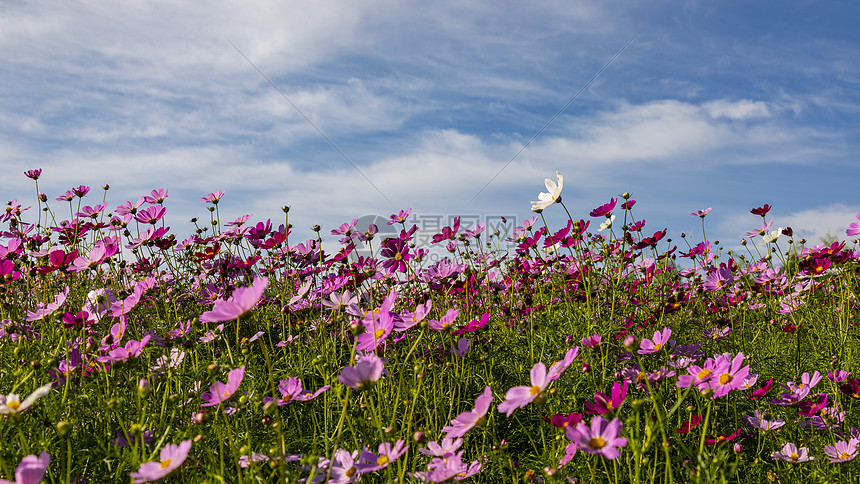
column 596, row 443
column 703, row 374
column 379, row 332
column 725, row 378
column 350, row 472
column 534, row 390
column 13, row 404
column 398, row 256
column 794, row 457
column 640, row 377
column 165, row 463
column 382, row 460
column 657, row 347
column 844, row 455
column 226, row 394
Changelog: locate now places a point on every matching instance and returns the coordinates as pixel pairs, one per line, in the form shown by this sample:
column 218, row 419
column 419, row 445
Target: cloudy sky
column 728, row 105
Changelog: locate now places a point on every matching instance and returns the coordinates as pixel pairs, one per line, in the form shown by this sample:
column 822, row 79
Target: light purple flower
column 388, row 453
column 462, row 348
column 241, row 302
column 842, row 451
column 367, row 370
column 343, row 469
column 172, row 456
column 220, row 392
column 790, row 453
column 30, row 470
column 468, row 420
column 757, row 421
column 291, row 391
column 602, row 438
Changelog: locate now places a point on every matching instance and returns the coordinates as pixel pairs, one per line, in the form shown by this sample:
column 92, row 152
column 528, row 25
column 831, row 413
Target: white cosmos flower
column 12, row 403
column 606, row 224
column 766, row 239
column 554, row 195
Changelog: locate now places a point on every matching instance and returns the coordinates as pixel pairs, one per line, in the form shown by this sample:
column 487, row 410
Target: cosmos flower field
column 598, row 351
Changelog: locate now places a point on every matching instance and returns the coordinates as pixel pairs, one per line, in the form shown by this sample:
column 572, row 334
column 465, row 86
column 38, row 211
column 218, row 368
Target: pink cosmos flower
column 367, row 370
column 468, row 420
column 213, row 197
column 220, row 392
column 399, row 217
column 591, row 341
column 660, row 339
column 702, row 212
column 172, row 456
column 729, row 376
column 519, row 397
column 157, row 196
column 790, row 453
column 854, row 228
column 375, row 331
column 291, row 391
column 602, row 438
column 558, row 367
column 241, row 302
column 445, row 321
column 30, row 470
column 132, row 349
column 43, row 310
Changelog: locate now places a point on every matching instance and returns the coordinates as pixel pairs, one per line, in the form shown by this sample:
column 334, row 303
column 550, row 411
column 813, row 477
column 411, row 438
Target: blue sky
column 723, row 104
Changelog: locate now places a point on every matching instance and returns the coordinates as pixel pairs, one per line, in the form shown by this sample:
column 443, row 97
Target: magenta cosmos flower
column 172, row 456
column 220, row 392
column 364, row 374
column 604, row 404
column 466, row 421
column 519, row 397
column 602, row 438
column 31, row 470
column 240, row 303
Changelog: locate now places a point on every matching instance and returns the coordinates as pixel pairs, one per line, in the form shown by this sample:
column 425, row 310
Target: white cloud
column 745, row 109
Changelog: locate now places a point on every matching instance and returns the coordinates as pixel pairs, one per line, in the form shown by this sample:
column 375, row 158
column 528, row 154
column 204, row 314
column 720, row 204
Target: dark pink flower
column 605, row 209
column 34, row 174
